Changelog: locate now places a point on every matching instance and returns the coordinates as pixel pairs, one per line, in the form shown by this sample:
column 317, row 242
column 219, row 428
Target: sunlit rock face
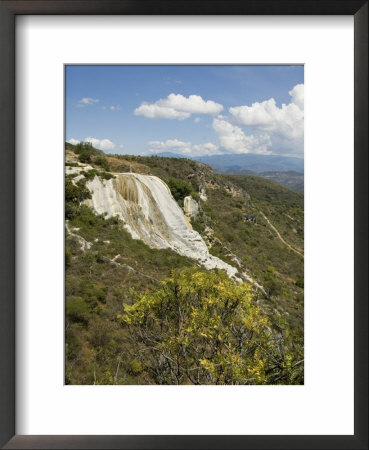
column 203, row 194
column 149, row 212
column 191, row 207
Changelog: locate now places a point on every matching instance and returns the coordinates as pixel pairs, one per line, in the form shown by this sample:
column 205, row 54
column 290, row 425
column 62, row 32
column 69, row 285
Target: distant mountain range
column 235, row 163
column 285, row 170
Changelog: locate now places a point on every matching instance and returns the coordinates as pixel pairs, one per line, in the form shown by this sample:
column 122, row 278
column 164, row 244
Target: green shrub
column 300, row 282
column 202, row 328
column 76, row 193
column 72, row 345
column 71, row 211
column 102, row 161
column 180, row 189
column 92, row 293
column 134, row 367
column 68, row 257
column 84, row 158
column 91, row 174
column 106, row 175
column 77, row 309
column 85, row 151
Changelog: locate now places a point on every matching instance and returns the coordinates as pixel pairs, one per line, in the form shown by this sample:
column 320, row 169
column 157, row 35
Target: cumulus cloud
column 176, row 106
column 102, row 144
column 114, row 108
column 194, row 104
column 285, row 125
column 197, row 119
column 297, row 94
column 183, row 148
column 154, row 111
column 87, row 101
column 170, row 144
column 73, row 141
column 234, row 140
column 205, row 149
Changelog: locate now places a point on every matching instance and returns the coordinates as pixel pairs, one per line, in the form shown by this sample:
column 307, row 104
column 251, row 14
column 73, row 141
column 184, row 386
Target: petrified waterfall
column 149, row 212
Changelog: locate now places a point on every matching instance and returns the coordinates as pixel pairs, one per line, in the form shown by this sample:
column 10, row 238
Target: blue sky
column 190, row 110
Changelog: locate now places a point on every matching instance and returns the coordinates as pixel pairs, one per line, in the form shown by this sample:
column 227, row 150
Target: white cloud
column 176, row 106
column 194, row 104
column 285, row 125
column 87, row 101
column 114, row 108
column 173, row 145
column 234, row 140
column 183, row 148
column 197, row 119
column 205, row 149
column 102, row 144
column 73, row 141
column 154, row 111
column 297, row 94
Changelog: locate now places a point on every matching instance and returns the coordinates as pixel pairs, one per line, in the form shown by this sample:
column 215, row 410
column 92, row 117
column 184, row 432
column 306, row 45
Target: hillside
column 250, row 223
column 288, row 172
column 292, row 180
column 254, row 162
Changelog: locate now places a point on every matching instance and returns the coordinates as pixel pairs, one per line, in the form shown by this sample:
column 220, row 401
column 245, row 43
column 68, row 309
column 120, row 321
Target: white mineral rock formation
column 149, row 212
column 203, row 194
column 191, row 207
column 78, row 169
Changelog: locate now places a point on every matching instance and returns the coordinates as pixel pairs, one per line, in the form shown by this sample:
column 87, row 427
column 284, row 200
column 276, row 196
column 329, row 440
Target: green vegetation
column 180, row 189
column 257, row 245
column 102, row 161
column 85, row 151
column 165, row 168
column 300, row 282
column 76, row 193
column 96, row 342
column 92, row 173
column 284, row 208
column 292, row 180
column 119, row 287
column 202, row 328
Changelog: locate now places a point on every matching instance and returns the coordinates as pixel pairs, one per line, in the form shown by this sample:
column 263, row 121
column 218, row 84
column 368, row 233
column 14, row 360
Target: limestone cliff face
column 149, row 212
column 191, row 207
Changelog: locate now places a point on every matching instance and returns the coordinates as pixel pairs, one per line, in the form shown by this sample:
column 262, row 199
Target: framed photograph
column 184, row 225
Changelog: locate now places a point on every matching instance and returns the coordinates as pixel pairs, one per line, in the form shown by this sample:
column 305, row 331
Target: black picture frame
column 8, row 12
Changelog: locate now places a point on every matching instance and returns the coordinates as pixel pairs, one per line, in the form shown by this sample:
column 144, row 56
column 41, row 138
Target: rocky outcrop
column 202, row 193
column 84, row 245
column 191, row 207
column 233, row 191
